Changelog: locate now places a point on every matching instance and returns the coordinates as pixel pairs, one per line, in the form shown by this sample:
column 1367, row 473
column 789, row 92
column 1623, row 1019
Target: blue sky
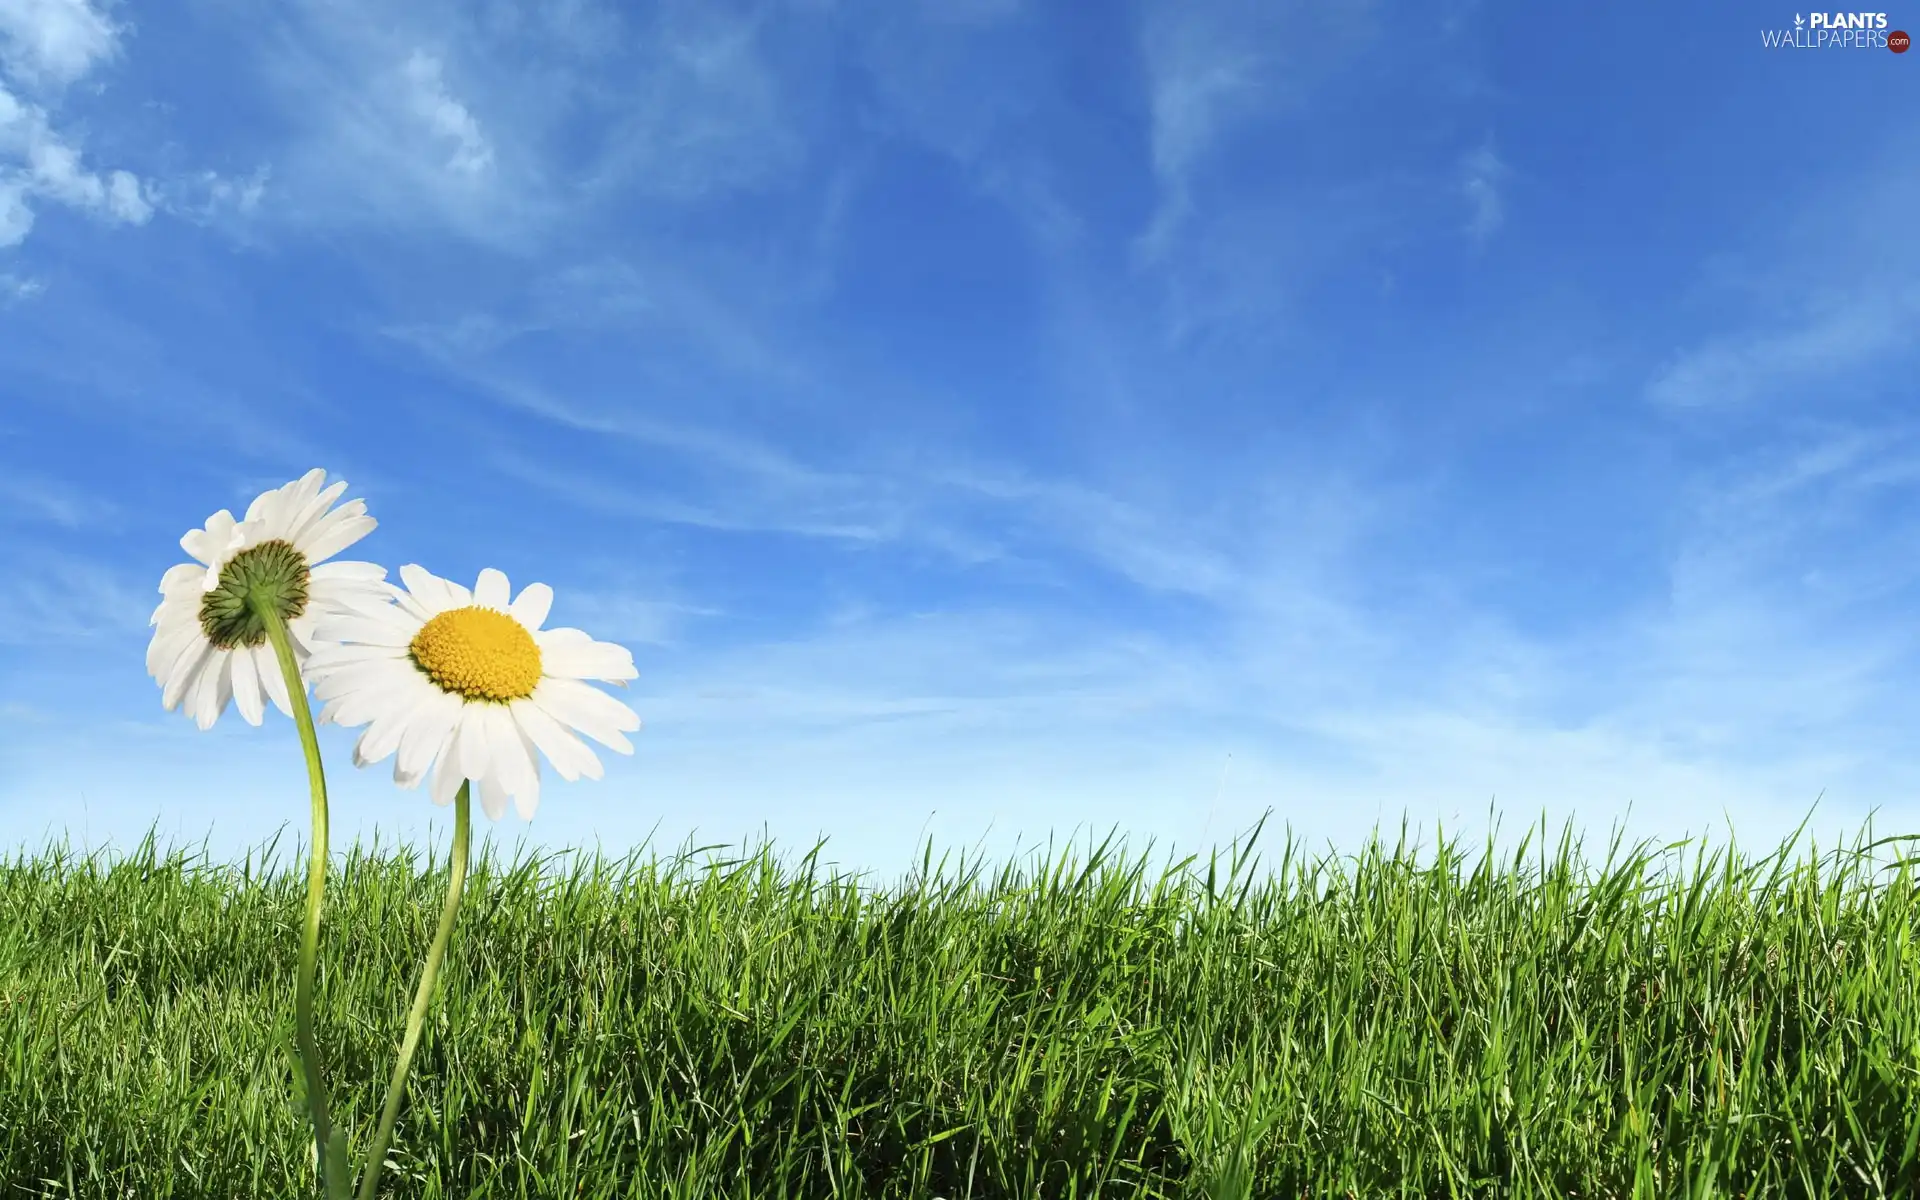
column 990, row 417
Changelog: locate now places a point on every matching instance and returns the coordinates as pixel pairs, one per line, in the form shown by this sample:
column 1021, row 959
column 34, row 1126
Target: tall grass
column 1668, row 1022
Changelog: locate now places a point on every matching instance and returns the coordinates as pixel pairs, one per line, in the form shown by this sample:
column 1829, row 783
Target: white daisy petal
column 209, row 546
column 392, row 629
column 376, row 699
column 333, row 657
column 180, row 577
column 338, row 537
column 491, row 590
column 511, row 766
column 267, row 516
column 360, row 676
column 435, row 715
column 183, row 681
column 382, row 736
column 532, row 606
column 526, row 802
column 178, row 674
column 470, row 750
column 591, row 767
column 435, row 594
column 351, row 600
column 446, row 777
column 588, row 710
column 493, row 798
column 570, row 756
column 168, row 642
column 266, row 665
column 262, row 510
column 269, row 510
column 303, row 496
column 305, row 520
column 348, row 570
column 375, row 613
column 411, row 605
column 571, row 654
column 246, row 688
column 279, row 506
column 212, row 691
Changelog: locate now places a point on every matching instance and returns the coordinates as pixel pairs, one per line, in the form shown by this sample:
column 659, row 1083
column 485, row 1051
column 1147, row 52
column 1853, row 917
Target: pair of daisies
column 463, row 684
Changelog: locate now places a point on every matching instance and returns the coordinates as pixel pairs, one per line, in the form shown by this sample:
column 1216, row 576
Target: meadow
column 1656, row 1021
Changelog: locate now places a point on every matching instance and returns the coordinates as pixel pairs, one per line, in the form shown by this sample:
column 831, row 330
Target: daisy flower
column 468, row 685
column 209, row 643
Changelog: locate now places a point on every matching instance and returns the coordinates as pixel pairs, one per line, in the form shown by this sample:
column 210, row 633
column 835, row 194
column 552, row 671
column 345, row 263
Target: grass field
column 1541, row 1023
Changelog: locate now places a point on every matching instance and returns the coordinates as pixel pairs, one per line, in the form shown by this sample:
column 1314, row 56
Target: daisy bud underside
column 272, row 573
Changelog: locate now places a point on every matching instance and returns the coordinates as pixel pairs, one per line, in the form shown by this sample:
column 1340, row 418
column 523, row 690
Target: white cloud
column 16, row 219
column 46, row 47
column 36, row 163
column 502, row 122
column 445, row 116
column 14, row 288
column 1214, row 67
column 1742, row 367
column 53, row 43
column 1204, row 76
column 54, row 171
column 209, row 197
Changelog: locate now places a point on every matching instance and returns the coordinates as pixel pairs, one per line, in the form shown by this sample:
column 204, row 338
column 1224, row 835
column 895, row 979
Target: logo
column 1837, row 31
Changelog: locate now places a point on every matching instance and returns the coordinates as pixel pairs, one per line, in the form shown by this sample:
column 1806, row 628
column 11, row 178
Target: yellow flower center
column 479, row 654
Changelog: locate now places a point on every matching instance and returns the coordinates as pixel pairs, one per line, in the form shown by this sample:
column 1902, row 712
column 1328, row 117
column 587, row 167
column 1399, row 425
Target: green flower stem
column 422, row 996
column 328, row 1146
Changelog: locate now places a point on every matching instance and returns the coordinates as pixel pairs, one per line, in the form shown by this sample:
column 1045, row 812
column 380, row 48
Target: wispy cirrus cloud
column 1790, row 355
column 27, row 495
column 210, row 198
column 508, row 125
column 388, row 128
column 707, row 111
column 1217, row 67
column 1801, row 313
column 68, row 600
column 447, row 118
